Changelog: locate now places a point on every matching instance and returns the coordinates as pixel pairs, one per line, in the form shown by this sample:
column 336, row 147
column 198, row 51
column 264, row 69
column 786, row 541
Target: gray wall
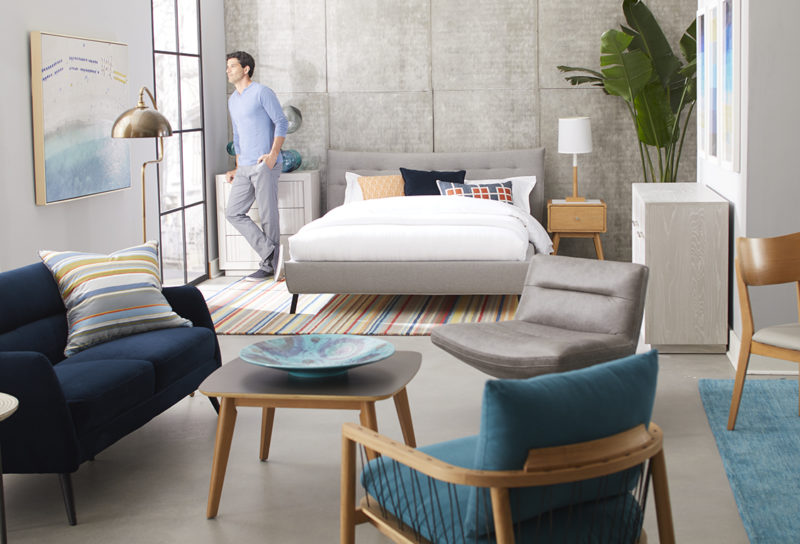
column 454, row 75
column 112, row 221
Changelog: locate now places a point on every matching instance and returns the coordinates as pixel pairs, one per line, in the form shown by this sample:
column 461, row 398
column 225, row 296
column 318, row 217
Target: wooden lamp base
column 575, row 197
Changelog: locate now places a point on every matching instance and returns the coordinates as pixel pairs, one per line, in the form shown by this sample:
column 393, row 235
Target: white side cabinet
column 680, row 231
column 298, row 204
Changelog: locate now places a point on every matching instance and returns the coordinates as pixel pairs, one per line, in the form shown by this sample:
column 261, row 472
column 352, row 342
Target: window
column 181, row 175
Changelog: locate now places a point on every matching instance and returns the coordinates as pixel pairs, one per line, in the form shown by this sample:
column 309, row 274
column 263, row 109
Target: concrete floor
column 152, row 485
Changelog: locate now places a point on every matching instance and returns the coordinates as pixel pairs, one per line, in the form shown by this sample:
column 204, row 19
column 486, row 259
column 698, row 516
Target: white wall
column 106, row 222
column 764, row 195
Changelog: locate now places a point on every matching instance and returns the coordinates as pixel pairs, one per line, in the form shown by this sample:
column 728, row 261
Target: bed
column 453, row 277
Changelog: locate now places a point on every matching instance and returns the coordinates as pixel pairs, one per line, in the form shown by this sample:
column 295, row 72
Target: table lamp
column 575, row 136
column 142, row 122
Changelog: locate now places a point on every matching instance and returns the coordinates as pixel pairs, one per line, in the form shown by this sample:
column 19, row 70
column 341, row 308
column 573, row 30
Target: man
column 259, row 129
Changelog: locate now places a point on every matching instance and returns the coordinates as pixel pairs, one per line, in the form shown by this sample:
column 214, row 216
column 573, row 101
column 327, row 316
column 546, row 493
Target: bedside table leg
column 556, row 241
column 598, row 247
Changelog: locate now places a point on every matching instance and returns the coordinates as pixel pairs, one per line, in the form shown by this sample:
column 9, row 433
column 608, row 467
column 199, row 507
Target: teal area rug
column 762, row 456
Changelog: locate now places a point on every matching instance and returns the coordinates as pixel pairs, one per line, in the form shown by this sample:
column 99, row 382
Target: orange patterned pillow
column 381, row 186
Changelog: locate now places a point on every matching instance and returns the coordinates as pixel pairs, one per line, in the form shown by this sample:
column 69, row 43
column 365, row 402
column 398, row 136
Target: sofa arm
column 40, row 435
column 188, row 302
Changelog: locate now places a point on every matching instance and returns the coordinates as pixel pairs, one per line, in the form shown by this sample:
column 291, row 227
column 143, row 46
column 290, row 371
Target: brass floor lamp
column 143, row 122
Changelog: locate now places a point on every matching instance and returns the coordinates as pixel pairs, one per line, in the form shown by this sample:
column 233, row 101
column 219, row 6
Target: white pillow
column 521, row 187
column 352, row 192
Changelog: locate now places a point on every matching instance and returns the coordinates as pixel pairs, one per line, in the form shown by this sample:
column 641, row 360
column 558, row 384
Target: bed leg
column 293, row 309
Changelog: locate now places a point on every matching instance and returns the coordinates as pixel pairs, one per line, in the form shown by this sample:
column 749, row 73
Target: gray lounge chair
column 573, row 313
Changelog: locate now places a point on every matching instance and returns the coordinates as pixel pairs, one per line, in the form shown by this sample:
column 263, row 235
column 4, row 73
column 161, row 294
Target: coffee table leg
column 267, row 417
column 370, row 421
column 226, row 421
column 404, row 415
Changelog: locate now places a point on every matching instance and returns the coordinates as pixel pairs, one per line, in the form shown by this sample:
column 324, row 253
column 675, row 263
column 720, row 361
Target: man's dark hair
column 245, row 59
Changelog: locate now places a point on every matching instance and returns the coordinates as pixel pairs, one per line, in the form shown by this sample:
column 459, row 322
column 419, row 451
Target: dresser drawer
column 578, row 218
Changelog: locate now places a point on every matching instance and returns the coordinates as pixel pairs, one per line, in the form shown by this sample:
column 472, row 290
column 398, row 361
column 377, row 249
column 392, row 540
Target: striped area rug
column 248, row 308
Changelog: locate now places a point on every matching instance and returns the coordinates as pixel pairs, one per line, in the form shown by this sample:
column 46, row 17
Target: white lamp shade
column 575, row 135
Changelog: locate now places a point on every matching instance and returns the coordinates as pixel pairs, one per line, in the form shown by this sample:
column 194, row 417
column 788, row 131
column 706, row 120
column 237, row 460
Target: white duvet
column 420, row 228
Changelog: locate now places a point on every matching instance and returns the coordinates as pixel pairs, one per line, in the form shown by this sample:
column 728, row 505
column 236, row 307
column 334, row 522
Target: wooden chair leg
column 347, row 498
column 666, row 530
column 741, row 374
column 501, row 510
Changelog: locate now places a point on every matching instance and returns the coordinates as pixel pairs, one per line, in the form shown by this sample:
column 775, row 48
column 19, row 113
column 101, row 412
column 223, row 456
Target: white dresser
column 680, row 231
column 298, row 204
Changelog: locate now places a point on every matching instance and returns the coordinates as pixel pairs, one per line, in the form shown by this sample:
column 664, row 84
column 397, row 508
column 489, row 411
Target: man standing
column 259, row 129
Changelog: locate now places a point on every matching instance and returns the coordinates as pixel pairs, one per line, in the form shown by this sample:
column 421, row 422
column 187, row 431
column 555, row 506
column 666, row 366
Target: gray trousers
column 258, row 184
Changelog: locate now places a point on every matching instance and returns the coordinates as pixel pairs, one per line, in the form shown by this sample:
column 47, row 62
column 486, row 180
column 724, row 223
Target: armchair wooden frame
column 544, row 466
column 762, row 261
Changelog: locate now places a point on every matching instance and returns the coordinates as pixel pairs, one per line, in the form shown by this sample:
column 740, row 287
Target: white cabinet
column 298, row 204
column 680, row 231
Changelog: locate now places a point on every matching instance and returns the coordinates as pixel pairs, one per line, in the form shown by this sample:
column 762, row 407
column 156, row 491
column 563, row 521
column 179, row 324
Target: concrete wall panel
column 485, row 120
column 381, row 121
column 487, row 45
column 378, row 45
column 287, row 40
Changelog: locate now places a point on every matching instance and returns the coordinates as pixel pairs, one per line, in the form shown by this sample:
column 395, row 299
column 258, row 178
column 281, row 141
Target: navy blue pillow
column 421, row 182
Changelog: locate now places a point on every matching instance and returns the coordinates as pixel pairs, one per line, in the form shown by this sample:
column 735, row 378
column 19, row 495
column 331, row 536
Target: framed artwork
column 79, row 87
column 702, row 135
column 712, row 78
column 729, row 85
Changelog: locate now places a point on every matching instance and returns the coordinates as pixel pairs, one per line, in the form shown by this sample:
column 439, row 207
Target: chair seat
column 519, row 349
column 783, row 336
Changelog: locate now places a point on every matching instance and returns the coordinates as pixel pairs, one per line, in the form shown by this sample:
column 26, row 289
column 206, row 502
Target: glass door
column 181, row 175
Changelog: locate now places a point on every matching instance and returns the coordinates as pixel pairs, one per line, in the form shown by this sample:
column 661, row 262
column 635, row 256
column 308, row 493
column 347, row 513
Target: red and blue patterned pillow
column 487, row 191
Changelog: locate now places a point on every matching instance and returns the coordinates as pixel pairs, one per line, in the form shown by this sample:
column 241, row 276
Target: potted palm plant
column 638, row 65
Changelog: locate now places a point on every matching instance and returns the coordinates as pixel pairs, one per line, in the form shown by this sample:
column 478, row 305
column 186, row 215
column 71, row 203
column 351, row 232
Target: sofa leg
column 214, row 403
column 293, row 309
column 69, row 498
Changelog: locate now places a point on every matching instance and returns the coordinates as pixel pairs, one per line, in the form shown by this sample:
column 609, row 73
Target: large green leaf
column 654, row 116
column 650, row 39
column 688, row 43
column 589, row 76
column 626, row 72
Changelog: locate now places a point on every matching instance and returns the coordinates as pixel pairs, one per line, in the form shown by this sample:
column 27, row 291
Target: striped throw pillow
column 110, row 296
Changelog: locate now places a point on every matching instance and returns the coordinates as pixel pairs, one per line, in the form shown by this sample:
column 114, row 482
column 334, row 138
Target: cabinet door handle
column 639, row 234
column 635, row 223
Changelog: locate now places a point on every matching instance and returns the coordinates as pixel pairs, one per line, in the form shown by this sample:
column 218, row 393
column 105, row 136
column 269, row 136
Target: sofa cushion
column 173, row 353
column 97, row 391
column 109, row 296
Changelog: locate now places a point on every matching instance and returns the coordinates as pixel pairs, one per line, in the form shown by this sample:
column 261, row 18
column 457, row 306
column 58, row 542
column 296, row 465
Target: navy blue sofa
column 72, row 409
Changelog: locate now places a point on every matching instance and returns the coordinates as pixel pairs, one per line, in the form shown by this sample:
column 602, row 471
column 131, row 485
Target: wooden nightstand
column 577, row 220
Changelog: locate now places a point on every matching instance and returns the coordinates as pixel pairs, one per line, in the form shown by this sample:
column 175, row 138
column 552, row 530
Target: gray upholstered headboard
column 479, row 165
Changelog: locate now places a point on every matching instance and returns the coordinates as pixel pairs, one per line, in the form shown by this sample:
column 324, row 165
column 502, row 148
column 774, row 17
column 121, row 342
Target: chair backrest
column 769, row 261
column 585, row 295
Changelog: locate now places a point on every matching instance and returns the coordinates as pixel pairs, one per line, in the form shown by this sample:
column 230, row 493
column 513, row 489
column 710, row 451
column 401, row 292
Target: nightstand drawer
column 578, row 218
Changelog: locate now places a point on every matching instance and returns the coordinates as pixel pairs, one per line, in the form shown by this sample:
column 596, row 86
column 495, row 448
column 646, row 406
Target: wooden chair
column 577, row 463
column 765, row 261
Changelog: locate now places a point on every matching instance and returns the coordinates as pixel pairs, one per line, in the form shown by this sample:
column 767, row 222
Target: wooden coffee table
column 238, row 383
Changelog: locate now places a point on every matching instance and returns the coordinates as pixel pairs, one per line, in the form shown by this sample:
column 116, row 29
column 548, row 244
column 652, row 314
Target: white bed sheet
column 420, row 228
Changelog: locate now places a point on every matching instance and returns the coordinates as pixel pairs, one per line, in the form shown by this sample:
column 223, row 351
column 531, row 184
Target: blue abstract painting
column 79, row 86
